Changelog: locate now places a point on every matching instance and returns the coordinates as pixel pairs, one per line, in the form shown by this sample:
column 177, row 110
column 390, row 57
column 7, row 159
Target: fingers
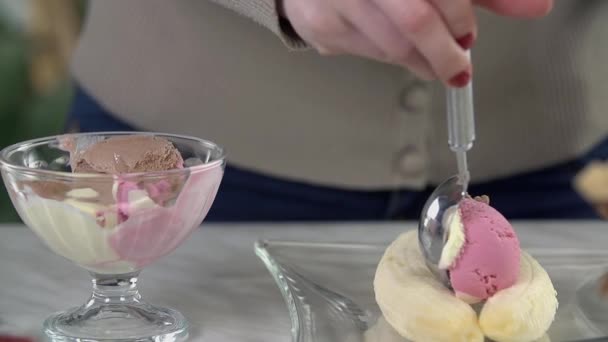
column 375, row 27
column 409, row 33
column 365, row 17
column 359, row 45
column 460, row 19
column 421, row 23
column 315, row 22
column 333, row 35
column 518, row 8
column 429, row 37
column 352, row 43
column 419, row 66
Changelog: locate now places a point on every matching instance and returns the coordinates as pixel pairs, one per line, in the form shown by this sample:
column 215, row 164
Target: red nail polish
column 460, row 80
column 466, row 41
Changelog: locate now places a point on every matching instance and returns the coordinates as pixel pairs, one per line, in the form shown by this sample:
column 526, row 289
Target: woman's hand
column 429, row 37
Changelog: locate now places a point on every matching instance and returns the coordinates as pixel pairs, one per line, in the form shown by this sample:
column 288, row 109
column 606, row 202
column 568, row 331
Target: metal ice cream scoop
column 432, row 232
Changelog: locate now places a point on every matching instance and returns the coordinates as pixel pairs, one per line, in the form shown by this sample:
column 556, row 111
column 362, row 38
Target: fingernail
column 466, row 41
column 460, row 80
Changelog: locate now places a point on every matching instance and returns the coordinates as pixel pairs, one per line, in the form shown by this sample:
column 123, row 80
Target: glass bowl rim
column 5, row 164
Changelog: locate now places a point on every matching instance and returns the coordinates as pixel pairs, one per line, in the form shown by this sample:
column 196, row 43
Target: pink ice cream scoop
column 149, row 233
column 482, row 253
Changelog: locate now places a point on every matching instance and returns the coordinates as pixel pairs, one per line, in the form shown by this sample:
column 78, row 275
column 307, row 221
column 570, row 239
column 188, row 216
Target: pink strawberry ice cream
column 150, row 232
column 482, row 253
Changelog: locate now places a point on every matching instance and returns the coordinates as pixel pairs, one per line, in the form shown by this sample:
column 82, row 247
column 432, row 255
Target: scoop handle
column 461, row 118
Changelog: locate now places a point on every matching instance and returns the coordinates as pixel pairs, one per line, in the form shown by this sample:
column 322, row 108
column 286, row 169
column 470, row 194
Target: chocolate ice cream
column 127, row 154
column 115, row 155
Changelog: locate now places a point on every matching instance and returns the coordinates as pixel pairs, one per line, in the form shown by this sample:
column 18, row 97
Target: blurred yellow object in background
column 592, row 184
column 52, row 26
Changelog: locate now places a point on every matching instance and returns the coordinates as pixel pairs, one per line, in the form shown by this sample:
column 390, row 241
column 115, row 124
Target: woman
column 360, row 135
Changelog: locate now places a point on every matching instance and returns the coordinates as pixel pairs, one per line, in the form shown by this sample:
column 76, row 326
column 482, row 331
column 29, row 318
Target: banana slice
column 384, row 332
column 415, row 303
column 524, row 311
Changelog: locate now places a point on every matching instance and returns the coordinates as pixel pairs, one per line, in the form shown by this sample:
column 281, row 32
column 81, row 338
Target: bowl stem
column 116, row 312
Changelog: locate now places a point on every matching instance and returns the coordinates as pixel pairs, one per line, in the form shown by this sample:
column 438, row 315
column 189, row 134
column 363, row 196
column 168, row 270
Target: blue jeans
column 250, row 196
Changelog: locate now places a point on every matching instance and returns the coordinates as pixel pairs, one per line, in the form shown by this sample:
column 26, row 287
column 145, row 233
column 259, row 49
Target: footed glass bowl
column 113, row 226
column 328, row 289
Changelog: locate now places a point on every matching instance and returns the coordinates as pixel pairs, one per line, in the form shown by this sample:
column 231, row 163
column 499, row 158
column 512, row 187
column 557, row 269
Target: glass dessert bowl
column 113, row 203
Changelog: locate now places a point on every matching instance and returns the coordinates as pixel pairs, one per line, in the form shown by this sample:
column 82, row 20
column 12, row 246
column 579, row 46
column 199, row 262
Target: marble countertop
column 215, row 279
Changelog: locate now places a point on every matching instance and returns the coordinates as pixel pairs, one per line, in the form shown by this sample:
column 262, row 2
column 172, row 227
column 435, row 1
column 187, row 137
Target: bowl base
column 128, row 322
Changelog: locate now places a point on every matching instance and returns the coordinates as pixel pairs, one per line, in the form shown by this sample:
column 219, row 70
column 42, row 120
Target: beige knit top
column 197, row 67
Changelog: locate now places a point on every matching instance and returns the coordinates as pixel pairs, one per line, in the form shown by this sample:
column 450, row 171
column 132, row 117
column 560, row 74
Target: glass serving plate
column 329, row 294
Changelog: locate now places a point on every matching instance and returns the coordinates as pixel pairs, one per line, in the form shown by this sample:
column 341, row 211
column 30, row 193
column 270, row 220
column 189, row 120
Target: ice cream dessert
column 129, row 201
column 516, row 299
